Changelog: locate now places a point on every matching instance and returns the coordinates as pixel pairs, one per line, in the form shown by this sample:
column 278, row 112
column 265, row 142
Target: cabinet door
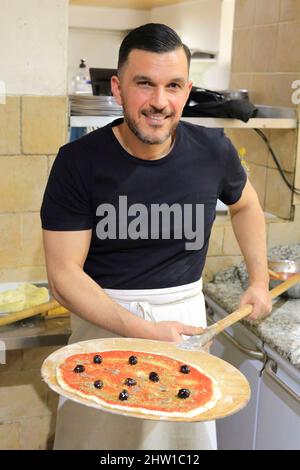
column 237, row 432
column 278, row 423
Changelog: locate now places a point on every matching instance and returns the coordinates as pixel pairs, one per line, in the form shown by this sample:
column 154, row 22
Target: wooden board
column 232, row 384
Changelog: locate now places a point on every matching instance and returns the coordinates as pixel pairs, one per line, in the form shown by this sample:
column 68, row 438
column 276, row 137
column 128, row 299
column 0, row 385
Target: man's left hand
column 257, row 295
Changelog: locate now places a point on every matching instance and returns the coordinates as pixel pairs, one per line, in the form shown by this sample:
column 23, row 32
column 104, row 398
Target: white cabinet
column 237, row 432
column 278, row 417
column 271, row 419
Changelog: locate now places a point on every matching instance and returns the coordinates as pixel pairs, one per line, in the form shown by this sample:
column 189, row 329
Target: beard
column 141, row 135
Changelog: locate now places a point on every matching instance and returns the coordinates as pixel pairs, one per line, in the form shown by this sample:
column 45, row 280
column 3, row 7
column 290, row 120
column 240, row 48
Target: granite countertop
column 281, row 330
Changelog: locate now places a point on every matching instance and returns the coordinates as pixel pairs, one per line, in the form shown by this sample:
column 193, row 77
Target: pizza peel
column 232, row 384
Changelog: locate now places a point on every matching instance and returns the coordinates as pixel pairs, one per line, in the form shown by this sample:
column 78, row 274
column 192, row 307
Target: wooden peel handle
column 29, row 312
column 246, row 309
column 235, row 316
column 290, row 282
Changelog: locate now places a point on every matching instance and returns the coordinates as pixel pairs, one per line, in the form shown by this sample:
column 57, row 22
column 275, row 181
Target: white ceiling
column 136, row 4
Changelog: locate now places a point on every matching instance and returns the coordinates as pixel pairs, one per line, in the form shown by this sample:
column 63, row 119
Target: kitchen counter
column 281, row 330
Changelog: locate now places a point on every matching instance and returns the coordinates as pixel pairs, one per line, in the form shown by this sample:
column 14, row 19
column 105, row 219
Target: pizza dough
column 152, row 384
column 24, row 296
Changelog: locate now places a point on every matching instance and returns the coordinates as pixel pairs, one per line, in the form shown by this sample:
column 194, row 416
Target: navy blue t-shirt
column 150, row 220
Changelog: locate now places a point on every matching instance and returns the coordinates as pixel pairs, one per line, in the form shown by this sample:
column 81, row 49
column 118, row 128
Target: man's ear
column 189, row 86
column 116, row 89
column 188, row 90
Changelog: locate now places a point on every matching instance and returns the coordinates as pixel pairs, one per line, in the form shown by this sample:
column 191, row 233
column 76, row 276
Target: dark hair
column 153, row 37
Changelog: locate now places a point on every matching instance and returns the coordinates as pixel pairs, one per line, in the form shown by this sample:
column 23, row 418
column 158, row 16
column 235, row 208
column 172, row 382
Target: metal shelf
column 91, row 121
column 260, row 123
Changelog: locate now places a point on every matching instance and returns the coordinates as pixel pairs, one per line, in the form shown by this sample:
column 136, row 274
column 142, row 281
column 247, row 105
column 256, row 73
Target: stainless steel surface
column 273, row 122
column 287, row 268
column 271, row 369
column 196, row 342
column 235, row 94
column 275, row 112
column 34, row 332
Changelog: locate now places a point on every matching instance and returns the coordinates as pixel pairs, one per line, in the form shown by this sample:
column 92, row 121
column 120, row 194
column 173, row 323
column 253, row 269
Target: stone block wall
column 32, row 128
column 266, row 61
column 28, row 406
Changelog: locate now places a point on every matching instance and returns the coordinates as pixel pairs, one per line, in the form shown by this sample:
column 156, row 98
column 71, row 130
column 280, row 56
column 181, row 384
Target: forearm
column 74, row 289
column 249, row 228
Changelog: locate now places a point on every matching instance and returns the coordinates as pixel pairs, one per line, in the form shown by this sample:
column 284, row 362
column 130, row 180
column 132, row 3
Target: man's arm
column 249, row 227
column 74, row 289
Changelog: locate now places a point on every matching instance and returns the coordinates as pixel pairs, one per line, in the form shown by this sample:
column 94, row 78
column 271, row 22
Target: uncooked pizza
column 139, row 382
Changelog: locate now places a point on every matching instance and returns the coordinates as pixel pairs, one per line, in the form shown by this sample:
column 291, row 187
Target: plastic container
column 81, row 82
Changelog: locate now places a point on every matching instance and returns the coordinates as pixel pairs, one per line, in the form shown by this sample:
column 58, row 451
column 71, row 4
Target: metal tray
column 286, row 268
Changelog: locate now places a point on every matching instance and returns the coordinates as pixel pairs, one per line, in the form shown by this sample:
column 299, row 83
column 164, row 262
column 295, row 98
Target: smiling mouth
column 156, row 119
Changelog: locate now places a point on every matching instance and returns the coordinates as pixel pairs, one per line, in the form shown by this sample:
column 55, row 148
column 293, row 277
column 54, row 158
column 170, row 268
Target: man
column 127, row 215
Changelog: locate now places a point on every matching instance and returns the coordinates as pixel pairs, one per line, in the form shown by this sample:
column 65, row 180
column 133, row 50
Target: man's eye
column 174, row 85
column 144, row 83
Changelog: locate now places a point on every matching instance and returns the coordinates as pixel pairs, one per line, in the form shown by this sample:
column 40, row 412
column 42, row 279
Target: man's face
column 153, row 89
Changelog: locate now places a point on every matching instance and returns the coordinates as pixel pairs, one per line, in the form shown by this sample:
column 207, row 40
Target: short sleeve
column 66, row 204
column 235, row 177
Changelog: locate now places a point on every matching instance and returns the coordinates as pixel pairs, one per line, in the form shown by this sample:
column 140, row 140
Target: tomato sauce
column 115, row 369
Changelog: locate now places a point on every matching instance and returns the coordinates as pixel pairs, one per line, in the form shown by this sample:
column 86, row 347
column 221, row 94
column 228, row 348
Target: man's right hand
column 172, row 331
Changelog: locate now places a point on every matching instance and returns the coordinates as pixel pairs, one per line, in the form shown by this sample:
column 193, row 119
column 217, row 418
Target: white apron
column 80, row 427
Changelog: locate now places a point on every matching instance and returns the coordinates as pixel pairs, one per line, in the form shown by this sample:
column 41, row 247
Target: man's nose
column 159, row 98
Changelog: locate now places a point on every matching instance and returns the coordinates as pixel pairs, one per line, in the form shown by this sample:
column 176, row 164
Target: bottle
column 80, row 82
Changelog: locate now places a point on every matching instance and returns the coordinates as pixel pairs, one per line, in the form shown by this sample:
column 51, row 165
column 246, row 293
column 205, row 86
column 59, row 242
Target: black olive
column 183, row 393
column 97, row 359
column 185, row 369
column 130, row 382
column 153, row 376
column 133, row 360
column 98, row 384
column 123, row 395
column 79, row 368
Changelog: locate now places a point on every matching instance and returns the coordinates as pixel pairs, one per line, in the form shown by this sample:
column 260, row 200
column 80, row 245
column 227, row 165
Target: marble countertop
column 281, row 330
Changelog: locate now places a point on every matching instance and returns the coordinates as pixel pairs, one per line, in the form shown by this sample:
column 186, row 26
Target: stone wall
column 28, row 406
column 33, row 125
column 266, row 61
column 32, row 128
